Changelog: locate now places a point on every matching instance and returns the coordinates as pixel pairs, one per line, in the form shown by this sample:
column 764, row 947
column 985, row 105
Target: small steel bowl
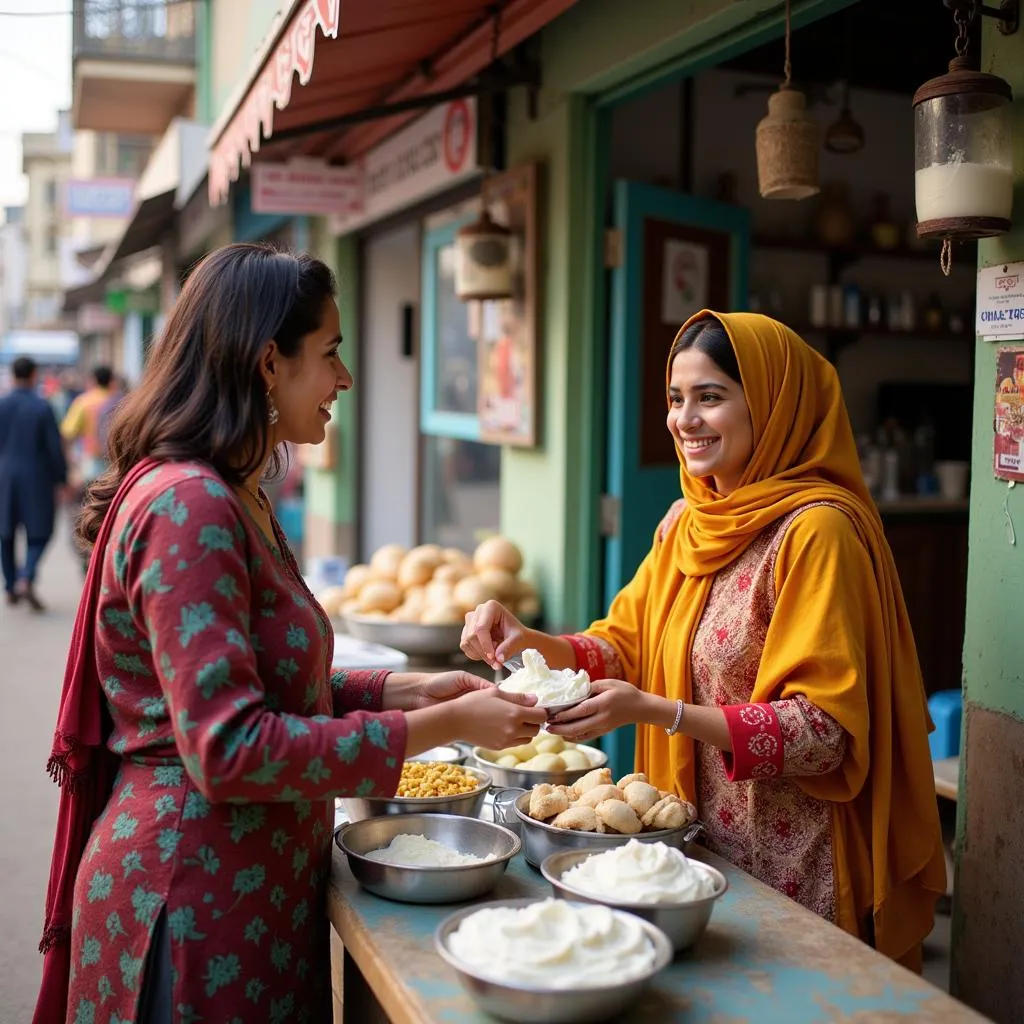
column 543, row 1005
column 447, row 754
column 541, row 840
column 683, row 922
column 517, row 778
column 418, row 884
column 468, row 804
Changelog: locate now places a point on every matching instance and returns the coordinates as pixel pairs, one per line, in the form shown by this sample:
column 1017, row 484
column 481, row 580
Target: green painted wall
column 988, row 927
column 331, row 494
column 238, row 29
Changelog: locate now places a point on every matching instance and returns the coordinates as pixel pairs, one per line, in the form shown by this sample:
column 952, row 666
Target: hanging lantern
column 787, row 142
column 963, row 154
column 963, row 151
column 483, row 260
column 844, row 136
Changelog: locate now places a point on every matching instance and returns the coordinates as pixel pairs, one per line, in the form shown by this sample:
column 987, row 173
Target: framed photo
column 507, row 375
column 1008, row 454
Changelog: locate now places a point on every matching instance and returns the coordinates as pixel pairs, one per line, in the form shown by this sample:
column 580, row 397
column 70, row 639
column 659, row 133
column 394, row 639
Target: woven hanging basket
column 788, row 142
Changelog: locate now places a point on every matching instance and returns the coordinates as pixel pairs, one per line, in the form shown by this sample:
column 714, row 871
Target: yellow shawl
column 888, row 853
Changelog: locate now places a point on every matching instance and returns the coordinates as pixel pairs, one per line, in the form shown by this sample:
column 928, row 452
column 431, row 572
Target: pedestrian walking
column 32, row 468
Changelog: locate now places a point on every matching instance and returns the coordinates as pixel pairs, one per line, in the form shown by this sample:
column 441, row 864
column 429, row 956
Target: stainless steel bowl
column 683, row 922
column 412, row 884
column 515, row 778
column 410, row 637
column 447, row 754
column 540, row 840
column 546, row 1006
column 467, row 804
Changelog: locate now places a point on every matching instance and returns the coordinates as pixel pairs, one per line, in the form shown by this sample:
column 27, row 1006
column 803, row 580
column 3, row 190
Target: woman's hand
column 612, row 703
column 492, row 718
column 492, row 634
column 444, row 686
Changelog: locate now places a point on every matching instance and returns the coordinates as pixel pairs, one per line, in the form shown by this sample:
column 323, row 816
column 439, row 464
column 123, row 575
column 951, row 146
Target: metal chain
column 962, row 19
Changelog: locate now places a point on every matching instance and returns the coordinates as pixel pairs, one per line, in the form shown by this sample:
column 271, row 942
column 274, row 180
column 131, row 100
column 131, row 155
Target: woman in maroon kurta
column 200, row 892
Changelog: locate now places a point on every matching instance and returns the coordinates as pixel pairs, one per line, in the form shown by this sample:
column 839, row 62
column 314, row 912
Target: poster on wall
column 684, row 289
column 1000, row 302
column 507, row 329
column 1009, row 414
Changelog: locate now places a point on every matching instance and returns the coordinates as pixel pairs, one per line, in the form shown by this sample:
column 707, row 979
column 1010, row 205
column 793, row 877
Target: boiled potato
column 446, row 614
column 544, row 763
column 417, row 568
column 471, row 591
column 575, row 760
column 386, row 560
column 507, row 762
column 451, row 574
column 525, row 752
column 548, row 744
column 332, row 598
column 498, row 553
column 379, row 596
column 354, row 579
column 501, row 581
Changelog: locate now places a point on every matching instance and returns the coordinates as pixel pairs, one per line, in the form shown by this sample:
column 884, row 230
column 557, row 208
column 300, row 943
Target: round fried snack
column 648, row 818
column 634, row 777
column 618, row 815
column 598, row 777
column 641, row 797
column 546, row 802
column 594, row 796
column 577, row 819
column 675, row 814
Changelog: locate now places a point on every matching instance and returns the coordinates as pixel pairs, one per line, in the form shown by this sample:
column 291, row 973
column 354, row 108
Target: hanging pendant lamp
column 844, row 136
column 787, row 141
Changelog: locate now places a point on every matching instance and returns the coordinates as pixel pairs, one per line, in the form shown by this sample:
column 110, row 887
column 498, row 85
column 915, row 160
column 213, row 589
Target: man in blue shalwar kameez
column 32, row 468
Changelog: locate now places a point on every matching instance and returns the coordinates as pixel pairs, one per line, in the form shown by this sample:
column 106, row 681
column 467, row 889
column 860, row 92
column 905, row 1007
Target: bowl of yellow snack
column 427, row 787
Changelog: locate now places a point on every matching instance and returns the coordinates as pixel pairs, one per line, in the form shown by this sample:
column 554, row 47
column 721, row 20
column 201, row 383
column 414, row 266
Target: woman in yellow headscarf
column 763, row 647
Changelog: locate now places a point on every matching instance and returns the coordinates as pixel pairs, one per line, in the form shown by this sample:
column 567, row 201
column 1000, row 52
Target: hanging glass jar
column 484, row 260
column 963, row 166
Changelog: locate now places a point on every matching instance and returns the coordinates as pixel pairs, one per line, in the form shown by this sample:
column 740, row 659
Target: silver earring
column 272, row 415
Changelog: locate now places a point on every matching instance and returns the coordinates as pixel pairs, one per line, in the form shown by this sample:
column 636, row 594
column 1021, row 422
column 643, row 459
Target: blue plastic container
column 946, row 709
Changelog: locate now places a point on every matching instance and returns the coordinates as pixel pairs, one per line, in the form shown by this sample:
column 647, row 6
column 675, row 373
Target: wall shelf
column 962, row 254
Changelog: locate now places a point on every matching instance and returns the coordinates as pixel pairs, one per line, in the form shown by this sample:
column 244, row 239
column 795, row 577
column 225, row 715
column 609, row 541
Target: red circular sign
column 458, row 130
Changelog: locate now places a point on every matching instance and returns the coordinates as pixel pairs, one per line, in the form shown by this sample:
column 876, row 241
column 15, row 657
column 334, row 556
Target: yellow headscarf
column 885, row 821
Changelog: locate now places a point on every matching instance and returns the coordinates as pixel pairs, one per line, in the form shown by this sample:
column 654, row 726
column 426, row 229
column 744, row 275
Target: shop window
column 460, row 497
column 448, row 384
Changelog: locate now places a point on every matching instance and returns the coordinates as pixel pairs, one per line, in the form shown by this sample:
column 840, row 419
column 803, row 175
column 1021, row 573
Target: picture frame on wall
column 507, row 330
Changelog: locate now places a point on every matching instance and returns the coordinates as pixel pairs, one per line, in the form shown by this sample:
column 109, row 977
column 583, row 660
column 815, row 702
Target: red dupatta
column 83, row 767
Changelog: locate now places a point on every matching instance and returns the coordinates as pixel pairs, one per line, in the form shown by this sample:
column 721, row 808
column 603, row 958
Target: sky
column 35, row 80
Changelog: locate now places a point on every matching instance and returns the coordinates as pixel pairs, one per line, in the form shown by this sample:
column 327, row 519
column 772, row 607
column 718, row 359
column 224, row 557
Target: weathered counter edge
column 400, row 1004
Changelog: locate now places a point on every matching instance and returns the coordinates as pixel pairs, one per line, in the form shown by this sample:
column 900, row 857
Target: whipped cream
column 641, row 873
column 419, row 851
column 553, row 944
column 552, row 686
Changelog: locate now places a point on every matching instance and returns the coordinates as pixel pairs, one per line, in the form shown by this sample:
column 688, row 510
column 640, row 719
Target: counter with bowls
column 762, row 958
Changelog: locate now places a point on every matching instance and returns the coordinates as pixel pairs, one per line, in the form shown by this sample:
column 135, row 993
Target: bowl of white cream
column 653, row 881
column 427, row 858
column 551, row 961
column 556, row 689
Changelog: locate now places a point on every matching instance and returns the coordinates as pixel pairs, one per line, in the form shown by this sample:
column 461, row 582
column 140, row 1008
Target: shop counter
column 762, row 959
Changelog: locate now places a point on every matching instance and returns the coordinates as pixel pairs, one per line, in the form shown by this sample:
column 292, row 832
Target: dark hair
column 103, row 375
column 23, row 367
column 711, row 338
column 202, row 396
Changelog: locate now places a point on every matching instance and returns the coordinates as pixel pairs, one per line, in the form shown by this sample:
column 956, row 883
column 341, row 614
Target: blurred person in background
column 81, row 427
column 32, row 468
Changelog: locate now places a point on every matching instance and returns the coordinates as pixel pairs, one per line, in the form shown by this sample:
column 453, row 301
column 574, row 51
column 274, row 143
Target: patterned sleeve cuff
column 757, row 749
column 596, row 657
column 358, row 690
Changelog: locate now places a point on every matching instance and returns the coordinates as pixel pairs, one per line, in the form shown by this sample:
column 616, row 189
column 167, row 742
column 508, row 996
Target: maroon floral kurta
column 756, row 816
column 234, row 739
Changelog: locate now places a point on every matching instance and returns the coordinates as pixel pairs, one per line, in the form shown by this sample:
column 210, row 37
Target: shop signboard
column 304, row 188
column 431, row 154
column 99, row 198
column 1000, row 302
